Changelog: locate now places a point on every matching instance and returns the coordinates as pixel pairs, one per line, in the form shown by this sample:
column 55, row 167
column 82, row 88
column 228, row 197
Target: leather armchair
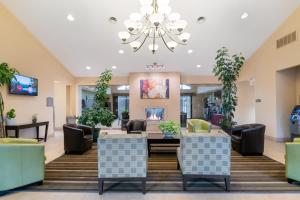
column 77, row 138
column 136, row 126
column 248, row 139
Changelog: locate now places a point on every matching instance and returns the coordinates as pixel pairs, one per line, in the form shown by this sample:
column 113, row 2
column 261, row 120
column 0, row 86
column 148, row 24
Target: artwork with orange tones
column 154, row 89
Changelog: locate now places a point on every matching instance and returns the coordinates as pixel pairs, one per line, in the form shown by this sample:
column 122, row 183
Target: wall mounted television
column 23, row 85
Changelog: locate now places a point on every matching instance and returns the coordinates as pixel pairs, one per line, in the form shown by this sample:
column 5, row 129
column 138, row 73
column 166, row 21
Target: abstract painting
column 154, row 88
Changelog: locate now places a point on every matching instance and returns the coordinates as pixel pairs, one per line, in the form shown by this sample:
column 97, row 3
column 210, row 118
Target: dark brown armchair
column 136, row 126
column 77, row 138
column 248, row 139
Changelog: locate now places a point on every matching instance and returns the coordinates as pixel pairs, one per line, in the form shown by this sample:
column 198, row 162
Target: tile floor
column 54, row 148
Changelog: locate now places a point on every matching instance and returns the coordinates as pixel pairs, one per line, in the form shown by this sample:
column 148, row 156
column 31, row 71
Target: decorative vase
column 96, row 132
column 168, row 135
column 34, row 120
column 10, row 122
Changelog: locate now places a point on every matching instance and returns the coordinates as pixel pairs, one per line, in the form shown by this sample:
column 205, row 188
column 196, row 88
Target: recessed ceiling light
column 113, row 20
column 190, row 51
column 198, row 66
column 121, row 51
column 114, row 67
column 201, row 19
column 70, row 17
column 88, row 67
column 244, row 15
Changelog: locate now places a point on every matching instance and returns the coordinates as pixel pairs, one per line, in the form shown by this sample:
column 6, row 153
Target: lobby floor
column 54, row 148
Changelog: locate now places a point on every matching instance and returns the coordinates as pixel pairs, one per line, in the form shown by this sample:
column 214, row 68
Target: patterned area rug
column 253, row 173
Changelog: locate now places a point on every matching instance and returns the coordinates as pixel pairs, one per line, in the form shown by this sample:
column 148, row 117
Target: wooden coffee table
column 158, row 138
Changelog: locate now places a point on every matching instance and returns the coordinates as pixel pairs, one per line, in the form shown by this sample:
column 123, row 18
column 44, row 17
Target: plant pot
column 96, row 134
column 34, row 121
column 168, row 135
column 10, row 122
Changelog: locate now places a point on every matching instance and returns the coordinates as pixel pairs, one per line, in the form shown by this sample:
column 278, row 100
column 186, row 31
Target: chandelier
column 155, row 21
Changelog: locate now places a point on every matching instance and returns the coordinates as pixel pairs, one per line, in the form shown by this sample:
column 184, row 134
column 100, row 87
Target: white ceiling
column 91, row 40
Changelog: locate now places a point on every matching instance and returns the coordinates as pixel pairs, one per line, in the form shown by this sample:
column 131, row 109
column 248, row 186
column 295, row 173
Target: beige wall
column 23, row 51
column 263, row 65
column 202, row 79
column 137, row 105
column 245, row 109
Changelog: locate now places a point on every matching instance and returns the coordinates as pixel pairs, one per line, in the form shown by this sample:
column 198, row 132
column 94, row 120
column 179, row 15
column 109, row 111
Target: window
column 186, row 105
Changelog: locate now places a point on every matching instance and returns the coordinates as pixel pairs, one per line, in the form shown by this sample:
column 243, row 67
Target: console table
column 37, row 125
column 159, row 138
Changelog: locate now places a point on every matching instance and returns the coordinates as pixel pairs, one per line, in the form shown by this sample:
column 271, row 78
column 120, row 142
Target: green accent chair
column 292, row 160
column 198, row 126
column 22, row 162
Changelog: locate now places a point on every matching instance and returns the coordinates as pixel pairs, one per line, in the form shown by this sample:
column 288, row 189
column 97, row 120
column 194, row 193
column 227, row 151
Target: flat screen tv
column 23, row 85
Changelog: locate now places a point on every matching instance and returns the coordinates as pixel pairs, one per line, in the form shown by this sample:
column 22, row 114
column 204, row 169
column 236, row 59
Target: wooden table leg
column 37, row 132
column 46, row 133
column 17, row 133
column 6, row 132
column 149, row 148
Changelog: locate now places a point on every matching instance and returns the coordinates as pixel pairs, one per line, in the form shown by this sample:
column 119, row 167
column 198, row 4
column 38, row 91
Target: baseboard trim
column 277, row 139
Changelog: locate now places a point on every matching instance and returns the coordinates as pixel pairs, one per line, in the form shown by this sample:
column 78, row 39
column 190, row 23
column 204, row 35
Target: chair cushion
column 18, row 141
column 297, row 140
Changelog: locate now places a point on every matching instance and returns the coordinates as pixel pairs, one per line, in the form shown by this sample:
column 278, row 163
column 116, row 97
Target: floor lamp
column 50, row 103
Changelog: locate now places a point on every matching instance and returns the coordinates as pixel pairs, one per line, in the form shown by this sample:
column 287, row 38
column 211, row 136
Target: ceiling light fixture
column 190, row 51
column 70, row 17
column 244, row 15
column 88, row 67
column 121, row 51
column 155, row 67
column 114, row 67
column 155, row 21
column 198, row 66
column 113, row 20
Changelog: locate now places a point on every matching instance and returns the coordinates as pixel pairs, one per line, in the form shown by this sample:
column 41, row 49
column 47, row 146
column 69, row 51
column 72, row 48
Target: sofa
column 292, row 160
column 122, row 157
column 136, row 126
column 77, row 138
column 198, row 126
column 205, row 155
column 248, row 139
column 22, row 162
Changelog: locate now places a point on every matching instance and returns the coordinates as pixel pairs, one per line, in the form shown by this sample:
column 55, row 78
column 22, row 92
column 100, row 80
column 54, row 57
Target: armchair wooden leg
column 144, row 186
column 227, row 184
column 183, row 183
column 100, row 186
column 178, row 166
column 290, row 181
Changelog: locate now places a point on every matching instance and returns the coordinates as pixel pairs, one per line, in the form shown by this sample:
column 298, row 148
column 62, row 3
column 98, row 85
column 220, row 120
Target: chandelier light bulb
column 146, row 2
column 156, row 18
column 135, row 44
column 184, row 37
column 174, row 17
column 164, row 10
column 130, row 25
column 163, row 2
column 135, row 17
column 181, row 24
column 153, row 48
column 172, row 45
column 146, row 10
column 123, row 35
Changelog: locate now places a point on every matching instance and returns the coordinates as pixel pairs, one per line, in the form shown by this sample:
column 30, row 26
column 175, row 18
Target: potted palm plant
column 169, row 128
column 10, row 117
column 99, row 113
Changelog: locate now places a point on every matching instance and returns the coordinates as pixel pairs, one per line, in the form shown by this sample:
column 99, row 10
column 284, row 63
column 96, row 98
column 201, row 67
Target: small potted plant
column 10, row 117
column 169, row 128
column 34, row 118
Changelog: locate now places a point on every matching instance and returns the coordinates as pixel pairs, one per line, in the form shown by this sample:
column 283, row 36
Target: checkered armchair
column 122, row 157
column 205, row 155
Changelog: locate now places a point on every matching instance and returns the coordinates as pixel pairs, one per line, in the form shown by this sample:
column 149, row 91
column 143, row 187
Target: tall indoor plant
column 6, row 74
column 227, row 69
column 99, row 113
